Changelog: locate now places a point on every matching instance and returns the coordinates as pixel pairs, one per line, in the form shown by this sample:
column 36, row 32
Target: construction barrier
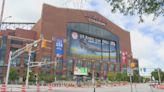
column 3, row 88
column 160, row 86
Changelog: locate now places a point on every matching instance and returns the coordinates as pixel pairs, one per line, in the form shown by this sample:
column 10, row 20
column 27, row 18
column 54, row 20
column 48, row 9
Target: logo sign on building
column 59, row 47
column 96, row 19
column 80, row 71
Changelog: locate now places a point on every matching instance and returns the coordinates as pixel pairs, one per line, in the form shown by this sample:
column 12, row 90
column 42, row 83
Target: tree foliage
column 46, row 77
column 155, row 74
column 32, row 77
column 122, row 76
column 117, row 76
column 13, row 74
column 140, row 7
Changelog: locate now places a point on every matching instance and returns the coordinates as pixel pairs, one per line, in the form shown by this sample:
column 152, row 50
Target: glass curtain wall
column 91, row 42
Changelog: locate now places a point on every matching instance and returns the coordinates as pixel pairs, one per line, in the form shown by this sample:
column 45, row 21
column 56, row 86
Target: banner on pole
column 123, row 58
column 59, row 48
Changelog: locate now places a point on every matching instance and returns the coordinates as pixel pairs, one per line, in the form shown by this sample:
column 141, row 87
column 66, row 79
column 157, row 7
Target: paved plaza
column 137, row 88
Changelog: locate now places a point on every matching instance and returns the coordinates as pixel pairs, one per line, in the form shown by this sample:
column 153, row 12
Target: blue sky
column 147, row 39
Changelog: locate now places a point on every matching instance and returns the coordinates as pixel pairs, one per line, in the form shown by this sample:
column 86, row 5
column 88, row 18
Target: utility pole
column 8, row 68
column 93, row 77
column 131, row 82
column 2, row 10
column 131, row 67
column 15, row 54
column 55, row 68
column 28, row 67
column 159, row 77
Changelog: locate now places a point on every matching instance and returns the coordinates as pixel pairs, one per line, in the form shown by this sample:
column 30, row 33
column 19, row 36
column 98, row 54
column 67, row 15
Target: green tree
column 155, row 74
column 139, row 7
column 32, row 77
column 111, row 76
column 13, row 74
column 136, row 78
column 125, row 77
column 119, row 76
column 46, row 77
column 122, row 76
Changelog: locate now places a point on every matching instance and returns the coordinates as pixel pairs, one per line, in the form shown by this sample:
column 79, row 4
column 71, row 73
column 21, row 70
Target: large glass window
column 59, row 66
column 15, row 62
column 78, row 63
column 89, row 65
column 113, row 51
column 3, row 49
column 117, row 67
column 105, row 50
column 111, row 68
column 17, row 42
column 0, row 42
column 0, row 70
column 69, row 65
column 91, row 42
column 97, row 66
column 46, row 58
column 104, row 67
column 25, row 59
column 32, row 58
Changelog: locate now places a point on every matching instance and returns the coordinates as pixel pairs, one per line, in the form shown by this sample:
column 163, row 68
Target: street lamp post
column 55, row 68
column 18, row 52
column 28, row 68
column 8, row 68
column 4, row 20
column 131, row 82
column 93, row 77
column 2, row 10
column 131, row 70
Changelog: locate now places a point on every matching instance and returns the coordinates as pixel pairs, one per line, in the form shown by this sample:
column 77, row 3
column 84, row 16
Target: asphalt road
column 126, row 88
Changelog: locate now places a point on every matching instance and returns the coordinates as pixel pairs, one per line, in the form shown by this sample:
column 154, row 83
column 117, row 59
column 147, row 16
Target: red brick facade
column 53, row 23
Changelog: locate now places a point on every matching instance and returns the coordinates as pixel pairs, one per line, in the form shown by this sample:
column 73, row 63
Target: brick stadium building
column 74, row 38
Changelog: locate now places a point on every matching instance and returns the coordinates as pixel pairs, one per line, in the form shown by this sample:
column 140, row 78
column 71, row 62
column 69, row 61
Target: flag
column 144, row 69
column 123, row 58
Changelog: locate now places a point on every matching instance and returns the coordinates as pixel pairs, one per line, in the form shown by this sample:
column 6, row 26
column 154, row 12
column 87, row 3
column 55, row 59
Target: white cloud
column 145, row 48
column 30, row 10
column 161, row 51
column 146, row 38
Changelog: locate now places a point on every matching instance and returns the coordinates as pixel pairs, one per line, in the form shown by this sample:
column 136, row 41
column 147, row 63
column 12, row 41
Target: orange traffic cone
column 3, row 88
column 23, row 89
column 49, row 87
column 11, row 90
column 38, row 88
